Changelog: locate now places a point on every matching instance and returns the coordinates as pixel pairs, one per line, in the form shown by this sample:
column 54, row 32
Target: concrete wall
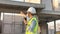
column 44, row 27
column 48, row 4
column 0, row 26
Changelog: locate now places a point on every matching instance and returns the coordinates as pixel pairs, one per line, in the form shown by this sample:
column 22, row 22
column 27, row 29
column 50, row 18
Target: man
column 32, row 22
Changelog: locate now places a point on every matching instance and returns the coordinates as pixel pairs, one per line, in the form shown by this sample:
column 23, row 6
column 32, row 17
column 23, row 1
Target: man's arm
column 23, row 15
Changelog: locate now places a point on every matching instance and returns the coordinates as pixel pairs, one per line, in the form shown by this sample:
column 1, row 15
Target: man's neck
column 31, row 16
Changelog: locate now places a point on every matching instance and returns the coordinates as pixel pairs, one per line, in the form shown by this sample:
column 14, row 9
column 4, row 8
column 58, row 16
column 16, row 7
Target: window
column 56, row 5
column 51, row 27
column 19, row 0
column 57, row 26
column 30, row 1
column 33, row 1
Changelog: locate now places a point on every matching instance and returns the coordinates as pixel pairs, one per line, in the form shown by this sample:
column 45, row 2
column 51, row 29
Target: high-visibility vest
column 35, row 28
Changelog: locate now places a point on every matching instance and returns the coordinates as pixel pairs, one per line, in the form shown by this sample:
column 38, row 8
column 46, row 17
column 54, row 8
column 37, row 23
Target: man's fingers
column 22, row 14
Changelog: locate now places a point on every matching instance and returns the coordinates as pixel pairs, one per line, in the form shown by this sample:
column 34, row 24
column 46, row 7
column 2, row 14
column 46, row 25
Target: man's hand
column 25, row 21
column 22, row 14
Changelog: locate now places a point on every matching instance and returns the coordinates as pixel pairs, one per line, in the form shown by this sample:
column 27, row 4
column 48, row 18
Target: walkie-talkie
column 25, row 18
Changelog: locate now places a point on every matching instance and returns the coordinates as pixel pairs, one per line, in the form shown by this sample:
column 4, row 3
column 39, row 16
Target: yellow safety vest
column 35, row 28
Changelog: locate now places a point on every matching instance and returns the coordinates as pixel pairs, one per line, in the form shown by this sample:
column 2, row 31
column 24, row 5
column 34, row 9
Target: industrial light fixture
column 1, row 15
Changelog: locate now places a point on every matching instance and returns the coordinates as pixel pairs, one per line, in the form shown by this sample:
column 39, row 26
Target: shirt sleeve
column 32, row 25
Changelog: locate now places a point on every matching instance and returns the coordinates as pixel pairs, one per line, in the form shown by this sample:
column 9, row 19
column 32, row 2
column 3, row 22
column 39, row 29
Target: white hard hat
column 32, row 10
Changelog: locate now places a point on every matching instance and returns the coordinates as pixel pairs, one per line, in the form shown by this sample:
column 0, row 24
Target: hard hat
column 32, row 10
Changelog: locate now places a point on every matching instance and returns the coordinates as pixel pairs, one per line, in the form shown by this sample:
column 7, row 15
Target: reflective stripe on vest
column 29, row 23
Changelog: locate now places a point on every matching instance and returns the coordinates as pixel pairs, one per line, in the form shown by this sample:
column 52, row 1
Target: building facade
column 47, row 11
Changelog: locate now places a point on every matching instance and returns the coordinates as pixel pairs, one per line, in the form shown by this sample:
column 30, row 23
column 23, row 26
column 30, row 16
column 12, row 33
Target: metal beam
column 54, row 27
column 47, row 15
column 50, row 12
column 24, row 4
